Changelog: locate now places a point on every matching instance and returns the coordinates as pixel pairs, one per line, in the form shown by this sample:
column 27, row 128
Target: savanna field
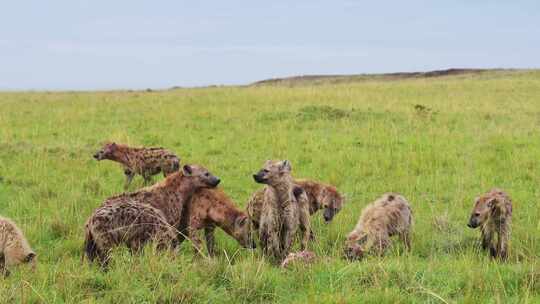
column 439, row 141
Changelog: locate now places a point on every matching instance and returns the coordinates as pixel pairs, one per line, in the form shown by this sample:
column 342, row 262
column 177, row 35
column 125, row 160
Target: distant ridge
column 385, row 76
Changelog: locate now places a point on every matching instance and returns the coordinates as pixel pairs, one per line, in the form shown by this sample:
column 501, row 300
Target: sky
column 117, row 44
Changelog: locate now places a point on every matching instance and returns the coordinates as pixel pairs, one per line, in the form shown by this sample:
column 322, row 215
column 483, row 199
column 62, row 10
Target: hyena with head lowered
column 153, row 213
column 492, row 212
column 320, row 196
column 211, row 208
column 14, row 248
column 285, row 210
column 389, row 215
column 143, row 161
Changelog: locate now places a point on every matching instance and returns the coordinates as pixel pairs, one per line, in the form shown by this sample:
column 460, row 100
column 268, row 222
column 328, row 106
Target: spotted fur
column 146, row 162
column 320, row 196
column 14, row 248
column 389, row 215
column 492, row 212
column 285, row 211
column 211, row 208
column 135, row 218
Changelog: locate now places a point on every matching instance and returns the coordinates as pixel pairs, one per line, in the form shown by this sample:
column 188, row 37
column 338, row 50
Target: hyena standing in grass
column 320, row 196
column 389, row 215
column 211, row 208
column 14, row 248
column 144, row 161
column 285, row 210
column 153, row 213
column 492, row 212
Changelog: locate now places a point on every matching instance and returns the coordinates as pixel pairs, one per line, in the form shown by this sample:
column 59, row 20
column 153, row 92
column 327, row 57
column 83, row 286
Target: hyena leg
column 147, row 179
column 103, row 258
column 129, row 177
column 486, row 240
column 270, row 242
column 305, row 228
column 289, row 233
column 406, row 239
column 210, row 240
column 381, row 245
column 502, row 245
column 195, row 240
column 263, row 239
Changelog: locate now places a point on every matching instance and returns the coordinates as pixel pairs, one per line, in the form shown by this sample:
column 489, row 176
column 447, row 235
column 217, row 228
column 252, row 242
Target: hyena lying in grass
column 144, row 161
column 153, row 213
column 389, row 215
column 492, row 212
column 285, row 210
column 320, row 196
column 211, row 208
column 14, row 248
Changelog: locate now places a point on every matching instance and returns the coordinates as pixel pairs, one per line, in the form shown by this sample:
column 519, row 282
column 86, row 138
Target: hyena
column 285, row 210
column 14, row 248
column 211, row 208
column 492, row 212
column 320, row 196
column 154, row 211
column 126, row 223
column 143, row 161
column 389, row 215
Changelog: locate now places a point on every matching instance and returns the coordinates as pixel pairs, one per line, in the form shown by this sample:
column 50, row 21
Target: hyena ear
column 186, row 169
column 491, row 203
column 298, row 191
column 285, row 166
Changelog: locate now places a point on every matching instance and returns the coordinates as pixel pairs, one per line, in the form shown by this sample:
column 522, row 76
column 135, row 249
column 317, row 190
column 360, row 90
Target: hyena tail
column 90, row 247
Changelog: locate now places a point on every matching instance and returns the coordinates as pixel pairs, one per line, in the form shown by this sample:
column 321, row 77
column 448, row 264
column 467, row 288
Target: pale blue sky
column 70, row 44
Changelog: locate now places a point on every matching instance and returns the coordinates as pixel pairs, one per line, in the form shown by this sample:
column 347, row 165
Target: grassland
column 439, row 141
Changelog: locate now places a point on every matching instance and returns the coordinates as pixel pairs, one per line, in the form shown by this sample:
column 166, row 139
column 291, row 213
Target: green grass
column 469, row 133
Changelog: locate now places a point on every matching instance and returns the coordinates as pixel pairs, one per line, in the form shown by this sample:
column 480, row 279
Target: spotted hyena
column 151, row 213
column 320, row 196
column 285, row 210
column 14, row 248
column 211, row 208
column 143, row 161
column 492, row 212
column 389, row 215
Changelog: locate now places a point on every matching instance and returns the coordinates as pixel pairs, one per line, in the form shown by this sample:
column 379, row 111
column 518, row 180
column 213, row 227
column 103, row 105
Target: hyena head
column 482, row 208
column 106, row 152
column 354, row 249
column 332, row 202
column 242, row 232
column 273, row 172
column 200, row 176
column 31, row 258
